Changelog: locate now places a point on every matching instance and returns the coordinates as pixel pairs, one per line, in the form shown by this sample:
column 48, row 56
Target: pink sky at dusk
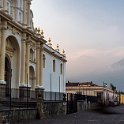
column 90, row 31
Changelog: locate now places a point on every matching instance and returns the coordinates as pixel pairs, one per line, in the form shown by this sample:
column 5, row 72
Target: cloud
column 95, row 65
column 91, row 32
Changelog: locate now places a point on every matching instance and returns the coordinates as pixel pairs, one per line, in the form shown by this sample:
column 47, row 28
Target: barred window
column 61, row 68
column 54, row 65
column 31, row 55
column 44, row 61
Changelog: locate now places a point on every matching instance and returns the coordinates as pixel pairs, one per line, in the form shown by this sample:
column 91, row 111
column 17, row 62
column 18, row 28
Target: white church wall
column 53, row 81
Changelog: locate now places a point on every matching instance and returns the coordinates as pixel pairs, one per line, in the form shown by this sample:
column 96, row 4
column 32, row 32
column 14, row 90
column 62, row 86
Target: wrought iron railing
column 16, row 98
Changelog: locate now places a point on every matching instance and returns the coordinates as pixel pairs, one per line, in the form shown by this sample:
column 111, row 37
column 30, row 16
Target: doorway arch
column 32, row 77
column 13, row 54
column 8, row 75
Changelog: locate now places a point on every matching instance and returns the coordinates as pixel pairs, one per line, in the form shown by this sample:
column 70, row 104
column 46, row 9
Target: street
column 108, row 116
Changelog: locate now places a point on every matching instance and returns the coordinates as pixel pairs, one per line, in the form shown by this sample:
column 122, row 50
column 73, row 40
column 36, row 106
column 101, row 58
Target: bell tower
column 28, row 15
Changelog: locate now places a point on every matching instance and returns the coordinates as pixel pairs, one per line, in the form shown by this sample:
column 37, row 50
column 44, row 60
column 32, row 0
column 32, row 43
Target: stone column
column 23, row 60
column 12, row 11
column 41, row 66
column 5, row 5
column 0, row 33
column 40, row 103
column 28, row 13
column 25, row 86
column 39, row 89
column 25, row 13
column 27, row 62
column 37, row 64
column 1, row 4
column 2, row 53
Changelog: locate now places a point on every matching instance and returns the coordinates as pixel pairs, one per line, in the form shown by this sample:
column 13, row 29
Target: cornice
column 55, row 55
column 21, row 28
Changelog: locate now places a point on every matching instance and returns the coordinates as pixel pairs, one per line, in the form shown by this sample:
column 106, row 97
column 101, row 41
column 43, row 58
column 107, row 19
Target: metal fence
column 53, row 96
column 11, row 98
column 73, row 99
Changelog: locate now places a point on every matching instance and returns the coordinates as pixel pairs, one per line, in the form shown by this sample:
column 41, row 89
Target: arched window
column 54, row 65
column 1, row 4
column 31, row 55
column 61, row 68
column 32, row 77
column 20, row 17
column 8, row 6
column 44, row 60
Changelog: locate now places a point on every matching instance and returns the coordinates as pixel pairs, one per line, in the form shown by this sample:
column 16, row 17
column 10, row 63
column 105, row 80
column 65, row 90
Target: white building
column 26, row 58
column 54, row 64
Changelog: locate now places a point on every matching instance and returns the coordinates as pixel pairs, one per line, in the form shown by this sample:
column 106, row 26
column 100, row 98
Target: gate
column 73, row 99
column 72, row 102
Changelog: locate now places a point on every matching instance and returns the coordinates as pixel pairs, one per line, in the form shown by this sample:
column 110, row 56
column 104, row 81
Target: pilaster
column 38, row 64
column 1, row 4
column 13, row 11
column 23, row 60
column 2, row 52
column 27, row 61
column 0, row 33
column 5, row 5
column 41, row 65
column 25, row 13
column 28, row 12
column 40, row 103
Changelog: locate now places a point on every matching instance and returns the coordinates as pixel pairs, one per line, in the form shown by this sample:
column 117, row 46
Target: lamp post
column 50, row 86
column 27, row 90
column 10, row 86
column 59, row 87
column 104, row 86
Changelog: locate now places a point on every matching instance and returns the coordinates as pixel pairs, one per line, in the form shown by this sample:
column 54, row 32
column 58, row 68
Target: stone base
column 24, row 92
column 24, row 85
column 39, row 91
column 2, row 82
column 53, row 108
column 2, row 90
column 40, row 102
column 40, row 87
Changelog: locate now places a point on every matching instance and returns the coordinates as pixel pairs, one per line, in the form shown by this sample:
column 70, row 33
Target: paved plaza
column 108, row 116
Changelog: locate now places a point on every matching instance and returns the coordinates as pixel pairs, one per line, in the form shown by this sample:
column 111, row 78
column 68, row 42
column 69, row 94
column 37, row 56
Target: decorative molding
column 40, row 87
column 55, row 55
column 2, row 82
column 24, row 85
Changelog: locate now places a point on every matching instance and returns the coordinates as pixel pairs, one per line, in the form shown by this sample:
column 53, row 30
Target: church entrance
column 8, row 75
column 32, row 77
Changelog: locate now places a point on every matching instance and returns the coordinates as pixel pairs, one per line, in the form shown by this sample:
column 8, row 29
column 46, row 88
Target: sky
column 92, row 34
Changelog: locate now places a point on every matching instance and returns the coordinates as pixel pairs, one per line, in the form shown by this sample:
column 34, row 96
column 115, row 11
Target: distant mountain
column 118, row 65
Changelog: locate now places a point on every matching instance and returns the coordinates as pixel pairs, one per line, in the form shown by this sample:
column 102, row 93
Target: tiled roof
column 80, row 83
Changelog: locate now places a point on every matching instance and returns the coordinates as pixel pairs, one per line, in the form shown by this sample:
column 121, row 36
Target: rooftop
column 80, row 83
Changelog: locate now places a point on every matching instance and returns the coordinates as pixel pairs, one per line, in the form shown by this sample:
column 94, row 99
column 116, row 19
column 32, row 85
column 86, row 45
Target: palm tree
column 113, row 89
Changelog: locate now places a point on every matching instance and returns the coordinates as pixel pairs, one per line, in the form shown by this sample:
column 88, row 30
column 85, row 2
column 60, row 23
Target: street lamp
column 27, row 90
column 104, row 86
column 10, row 86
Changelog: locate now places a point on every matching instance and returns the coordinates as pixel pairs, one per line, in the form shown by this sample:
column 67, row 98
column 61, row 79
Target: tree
column 113, row 87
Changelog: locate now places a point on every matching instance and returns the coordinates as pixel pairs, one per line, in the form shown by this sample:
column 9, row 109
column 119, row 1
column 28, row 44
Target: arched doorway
column 32, row 77
column 13, row 54
column 8, row 75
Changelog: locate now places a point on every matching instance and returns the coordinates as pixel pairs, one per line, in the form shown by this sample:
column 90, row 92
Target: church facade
column 26, row 58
